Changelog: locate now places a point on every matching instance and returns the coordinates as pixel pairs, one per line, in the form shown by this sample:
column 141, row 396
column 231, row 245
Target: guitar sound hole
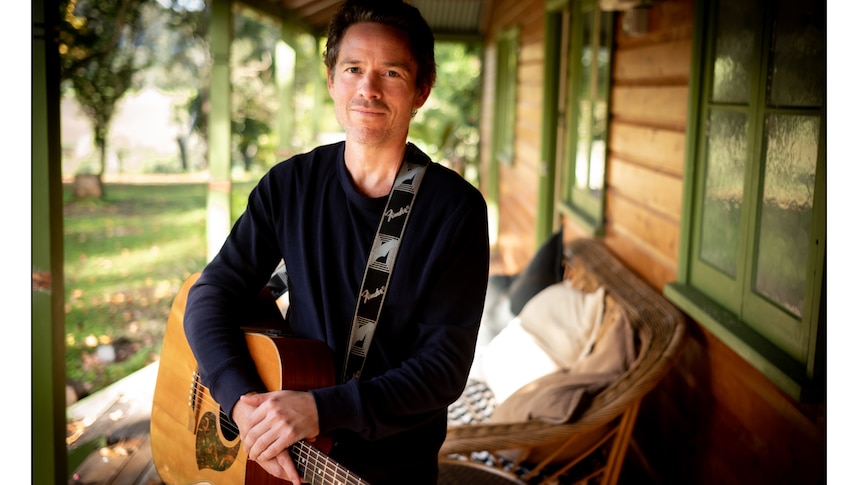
column 228, row 428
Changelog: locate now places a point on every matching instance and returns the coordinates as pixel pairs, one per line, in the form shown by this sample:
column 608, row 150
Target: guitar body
column 192, row 440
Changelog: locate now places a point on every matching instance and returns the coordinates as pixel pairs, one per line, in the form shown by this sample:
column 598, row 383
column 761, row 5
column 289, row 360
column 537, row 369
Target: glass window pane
column 725, row 181
column 734, row 48
column 603, row 56
column 786, row 209
column 601, row 75
column 586, row 92
column 597, row 151
column 588, row 56
column 799, row 63
column 582, row 156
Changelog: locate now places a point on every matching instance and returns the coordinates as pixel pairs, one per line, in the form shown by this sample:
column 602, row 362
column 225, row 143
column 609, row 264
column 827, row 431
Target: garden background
column 129, row 245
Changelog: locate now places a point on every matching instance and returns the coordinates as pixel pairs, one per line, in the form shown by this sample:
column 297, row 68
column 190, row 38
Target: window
column 753, row 249
column 583, row 75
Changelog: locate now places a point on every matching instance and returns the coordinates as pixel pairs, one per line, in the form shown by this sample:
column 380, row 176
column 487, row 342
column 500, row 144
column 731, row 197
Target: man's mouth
column 369, row 107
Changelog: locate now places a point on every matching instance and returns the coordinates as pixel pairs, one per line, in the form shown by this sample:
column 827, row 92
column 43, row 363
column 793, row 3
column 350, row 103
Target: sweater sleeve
column 222, row 298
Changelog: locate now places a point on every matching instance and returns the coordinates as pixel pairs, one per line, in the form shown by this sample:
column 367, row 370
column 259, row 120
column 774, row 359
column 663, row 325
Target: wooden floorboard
column 110, row 433
column 139, row 469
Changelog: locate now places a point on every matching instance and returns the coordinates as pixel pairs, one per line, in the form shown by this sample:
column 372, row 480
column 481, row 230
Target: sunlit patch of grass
column 125, row 259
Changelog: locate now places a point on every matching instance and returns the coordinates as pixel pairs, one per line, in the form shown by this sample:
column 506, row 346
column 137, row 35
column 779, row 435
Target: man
column 319, row 212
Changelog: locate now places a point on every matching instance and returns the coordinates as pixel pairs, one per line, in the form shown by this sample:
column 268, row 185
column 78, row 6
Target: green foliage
column 181, row 46
column 106, row 45
column 125, row 258
column 448, row 124
column 254, row 96
column 102, row 47
column 183, row 63
column 239, row 197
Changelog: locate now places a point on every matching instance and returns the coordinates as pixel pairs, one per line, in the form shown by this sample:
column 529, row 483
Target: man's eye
column 392, row 73
column 353, row 70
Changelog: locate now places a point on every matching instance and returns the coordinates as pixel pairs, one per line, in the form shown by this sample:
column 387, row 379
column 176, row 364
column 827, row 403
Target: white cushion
column 556, row 329
column 565, row 321
column 511, row 359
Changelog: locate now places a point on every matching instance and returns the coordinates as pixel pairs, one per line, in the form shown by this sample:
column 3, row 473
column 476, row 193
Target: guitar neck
column 317, row 468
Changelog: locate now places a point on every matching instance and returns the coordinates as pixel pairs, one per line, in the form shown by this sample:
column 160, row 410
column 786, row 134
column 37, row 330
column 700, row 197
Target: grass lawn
column 126, row 256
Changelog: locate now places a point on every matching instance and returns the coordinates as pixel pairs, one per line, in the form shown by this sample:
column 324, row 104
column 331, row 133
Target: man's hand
column 270, row 423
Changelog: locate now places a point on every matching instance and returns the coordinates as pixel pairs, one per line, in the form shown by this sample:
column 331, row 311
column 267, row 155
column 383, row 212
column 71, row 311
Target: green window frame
column 752, row 255
column 581, row 35
column 505, row 97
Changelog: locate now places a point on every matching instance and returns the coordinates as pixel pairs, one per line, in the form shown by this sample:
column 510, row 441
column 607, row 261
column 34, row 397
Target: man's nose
column 369, row 85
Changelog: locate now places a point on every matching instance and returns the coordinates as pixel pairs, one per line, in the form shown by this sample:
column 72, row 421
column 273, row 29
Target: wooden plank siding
column 518, row 187
column 715, row 418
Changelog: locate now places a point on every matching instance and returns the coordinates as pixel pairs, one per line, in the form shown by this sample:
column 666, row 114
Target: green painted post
column 547, row 156
column 47, row 326
column 285, row 78
column 219, row 217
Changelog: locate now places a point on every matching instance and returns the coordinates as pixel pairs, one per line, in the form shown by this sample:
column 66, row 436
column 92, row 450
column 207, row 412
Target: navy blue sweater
column 307, row 211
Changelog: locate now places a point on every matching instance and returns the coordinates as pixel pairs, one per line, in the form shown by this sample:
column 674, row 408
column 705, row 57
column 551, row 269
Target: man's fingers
column 289, row 467
column 269, row 445
column 252, row 399
column 281, row 466
column 275, row 469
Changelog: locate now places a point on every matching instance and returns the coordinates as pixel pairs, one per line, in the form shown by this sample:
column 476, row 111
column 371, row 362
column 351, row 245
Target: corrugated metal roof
column 453, row 16
column 446, row 17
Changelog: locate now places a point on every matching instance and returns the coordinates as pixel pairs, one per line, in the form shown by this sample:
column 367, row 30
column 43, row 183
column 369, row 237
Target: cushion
column 545, row 269
column 565, row 321
column 512, row 359
column 560, row 397
column 554, row 331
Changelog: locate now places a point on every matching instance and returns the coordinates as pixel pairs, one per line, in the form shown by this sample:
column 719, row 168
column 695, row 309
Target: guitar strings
column 302, row 453
column 209, row 404
column 301, row 450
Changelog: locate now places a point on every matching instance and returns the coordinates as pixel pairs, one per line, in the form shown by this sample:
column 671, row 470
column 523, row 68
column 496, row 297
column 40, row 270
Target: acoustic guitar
column 195, row 442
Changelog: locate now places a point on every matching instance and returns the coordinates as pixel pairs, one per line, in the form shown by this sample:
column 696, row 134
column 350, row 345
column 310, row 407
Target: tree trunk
column 87, row 185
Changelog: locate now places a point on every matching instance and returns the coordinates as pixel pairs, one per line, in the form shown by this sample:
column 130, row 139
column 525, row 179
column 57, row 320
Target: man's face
column 373, row 84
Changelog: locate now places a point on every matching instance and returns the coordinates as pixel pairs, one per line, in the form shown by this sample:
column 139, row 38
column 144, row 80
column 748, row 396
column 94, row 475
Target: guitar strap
column 381, row 261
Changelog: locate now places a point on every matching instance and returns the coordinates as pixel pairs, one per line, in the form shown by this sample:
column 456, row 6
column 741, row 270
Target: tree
column 254, row 98
column 182, row 63
column 102, row 46
column 448, row 124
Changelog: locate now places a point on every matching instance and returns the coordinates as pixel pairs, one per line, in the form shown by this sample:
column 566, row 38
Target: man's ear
column 329, row 80
column 421, row 96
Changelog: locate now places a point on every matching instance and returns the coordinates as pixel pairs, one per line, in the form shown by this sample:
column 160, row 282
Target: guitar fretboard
column 318, row 469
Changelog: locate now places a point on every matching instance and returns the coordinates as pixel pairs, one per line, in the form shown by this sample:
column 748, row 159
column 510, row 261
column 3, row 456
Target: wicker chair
column 591, row 447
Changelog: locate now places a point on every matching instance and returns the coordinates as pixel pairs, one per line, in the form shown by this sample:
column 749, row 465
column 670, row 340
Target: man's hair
column 395, row 13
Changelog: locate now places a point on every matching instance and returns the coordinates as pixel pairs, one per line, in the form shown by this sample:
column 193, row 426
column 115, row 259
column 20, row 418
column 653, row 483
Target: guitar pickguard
column 209, row 450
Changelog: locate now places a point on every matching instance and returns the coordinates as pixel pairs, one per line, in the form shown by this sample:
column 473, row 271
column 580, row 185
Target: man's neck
column 373, row 168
